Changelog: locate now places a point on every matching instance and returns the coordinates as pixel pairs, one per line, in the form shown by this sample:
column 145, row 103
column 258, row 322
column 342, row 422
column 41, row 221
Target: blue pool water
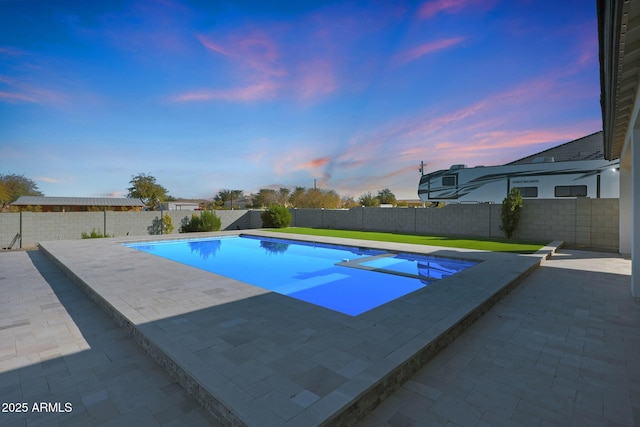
column 345, row 279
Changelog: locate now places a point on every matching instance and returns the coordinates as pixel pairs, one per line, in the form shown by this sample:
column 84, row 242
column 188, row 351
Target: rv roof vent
column 543, row 160
column 454, row 167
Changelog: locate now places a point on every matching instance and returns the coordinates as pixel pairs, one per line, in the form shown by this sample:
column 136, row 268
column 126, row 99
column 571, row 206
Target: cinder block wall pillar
column 582, row 222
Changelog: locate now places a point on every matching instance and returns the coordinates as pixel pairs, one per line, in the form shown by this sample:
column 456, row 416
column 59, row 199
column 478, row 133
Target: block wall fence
column 581, row 222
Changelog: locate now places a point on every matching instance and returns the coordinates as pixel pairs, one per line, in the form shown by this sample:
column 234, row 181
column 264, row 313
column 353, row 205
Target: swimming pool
column 346, row 279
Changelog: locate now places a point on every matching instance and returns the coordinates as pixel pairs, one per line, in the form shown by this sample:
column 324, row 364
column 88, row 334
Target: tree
column 283, row 196
column 297, row 197
column 347, row 202
column 145, row 188
column 314, row 198
column 13, row 186
column 225, row 196
column 264, row 198
column 368, row 200
column 386, row 197
column 510, row 213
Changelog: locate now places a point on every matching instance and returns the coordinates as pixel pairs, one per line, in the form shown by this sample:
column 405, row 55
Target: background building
column 78, row 204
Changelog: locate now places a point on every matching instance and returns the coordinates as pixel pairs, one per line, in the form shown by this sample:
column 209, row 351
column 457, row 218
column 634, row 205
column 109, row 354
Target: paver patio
column 558, row 350
column 561, row 349
column 56, row 346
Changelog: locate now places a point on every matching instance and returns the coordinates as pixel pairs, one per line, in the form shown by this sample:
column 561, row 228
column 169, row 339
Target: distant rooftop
column 76, row 201
column 588, row 147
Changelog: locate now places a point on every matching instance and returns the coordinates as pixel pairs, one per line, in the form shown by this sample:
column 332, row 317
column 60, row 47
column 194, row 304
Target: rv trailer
column 542, row 178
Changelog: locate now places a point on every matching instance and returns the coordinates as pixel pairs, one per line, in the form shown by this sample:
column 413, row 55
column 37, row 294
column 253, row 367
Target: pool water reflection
column 346, row 279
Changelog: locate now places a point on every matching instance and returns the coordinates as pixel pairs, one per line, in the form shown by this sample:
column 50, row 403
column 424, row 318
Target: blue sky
column 209, row 95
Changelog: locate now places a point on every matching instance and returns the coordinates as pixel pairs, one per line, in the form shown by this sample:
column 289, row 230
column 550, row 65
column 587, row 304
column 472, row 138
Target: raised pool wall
column 582, row 222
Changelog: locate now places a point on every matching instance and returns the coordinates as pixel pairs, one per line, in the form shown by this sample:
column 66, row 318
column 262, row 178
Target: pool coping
column 164, row 305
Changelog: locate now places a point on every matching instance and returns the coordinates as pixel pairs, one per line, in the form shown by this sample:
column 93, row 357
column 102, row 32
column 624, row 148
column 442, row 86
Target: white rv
column 574, row 169
column 543, row 179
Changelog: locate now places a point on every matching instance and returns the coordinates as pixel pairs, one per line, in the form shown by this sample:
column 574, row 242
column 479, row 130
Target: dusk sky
column 207, row 95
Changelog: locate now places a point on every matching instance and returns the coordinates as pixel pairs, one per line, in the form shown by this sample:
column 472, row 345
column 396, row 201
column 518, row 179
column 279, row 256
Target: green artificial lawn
column 450, row 242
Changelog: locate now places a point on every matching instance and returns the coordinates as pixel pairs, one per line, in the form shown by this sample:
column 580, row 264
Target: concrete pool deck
column 252, row 357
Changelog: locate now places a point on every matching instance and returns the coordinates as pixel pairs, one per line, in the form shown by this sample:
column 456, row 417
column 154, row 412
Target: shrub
column 167, row 224
column 277, row 216
column 510, row 214
column 206, row 221
column 93, row 235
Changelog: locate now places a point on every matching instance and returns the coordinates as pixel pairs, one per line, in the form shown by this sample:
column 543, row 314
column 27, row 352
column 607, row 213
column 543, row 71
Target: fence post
column 20, row 229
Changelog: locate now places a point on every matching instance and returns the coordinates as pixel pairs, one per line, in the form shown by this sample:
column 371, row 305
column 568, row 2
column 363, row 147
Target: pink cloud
column 501, row 139
column 315, row 163
column 431, row 8
column 214, row 47
column 28, row 92
column 255, row 52
column 427, row 48
column 316, row 78
column 9, row 96
column 256, row 92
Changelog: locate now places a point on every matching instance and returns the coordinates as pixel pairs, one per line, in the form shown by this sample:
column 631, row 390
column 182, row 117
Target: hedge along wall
column 579, row 222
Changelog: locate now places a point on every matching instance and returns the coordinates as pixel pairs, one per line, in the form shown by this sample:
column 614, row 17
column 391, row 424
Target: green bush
column 277, row 216
column 206, row 221
column 93, row 235
column 510, row 214
column 167, row 224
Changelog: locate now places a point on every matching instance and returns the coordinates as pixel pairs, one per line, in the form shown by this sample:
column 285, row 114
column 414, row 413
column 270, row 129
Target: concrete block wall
column 579, row 222
column 9, row 226
column 309, row 218
column 605, row 215
column 41, row 226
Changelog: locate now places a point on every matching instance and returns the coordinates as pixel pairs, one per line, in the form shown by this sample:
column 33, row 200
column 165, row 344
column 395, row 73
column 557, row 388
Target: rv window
column 449, row 181
column 571, row 191
column 528, row 191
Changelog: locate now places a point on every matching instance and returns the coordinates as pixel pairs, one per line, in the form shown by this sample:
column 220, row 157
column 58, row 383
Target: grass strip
column 493, row 245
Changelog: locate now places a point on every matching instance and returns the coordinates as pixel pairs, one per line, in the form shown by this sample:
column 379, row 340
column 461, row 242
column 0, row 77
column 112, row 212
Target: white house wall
column 633, row 152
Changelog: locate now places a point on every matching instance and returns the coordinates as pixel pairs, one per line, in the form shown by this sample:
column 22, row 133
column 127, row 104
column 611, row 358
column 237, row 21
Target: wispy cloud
column 257, row 92
column 305, row 60
column 23, row 91
column 256, row 52
column 431, row 8
column 11, row 51
column 48, row 179
column 427, row 48
column 314, row 163
column 214, row 47
column 316, row 78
